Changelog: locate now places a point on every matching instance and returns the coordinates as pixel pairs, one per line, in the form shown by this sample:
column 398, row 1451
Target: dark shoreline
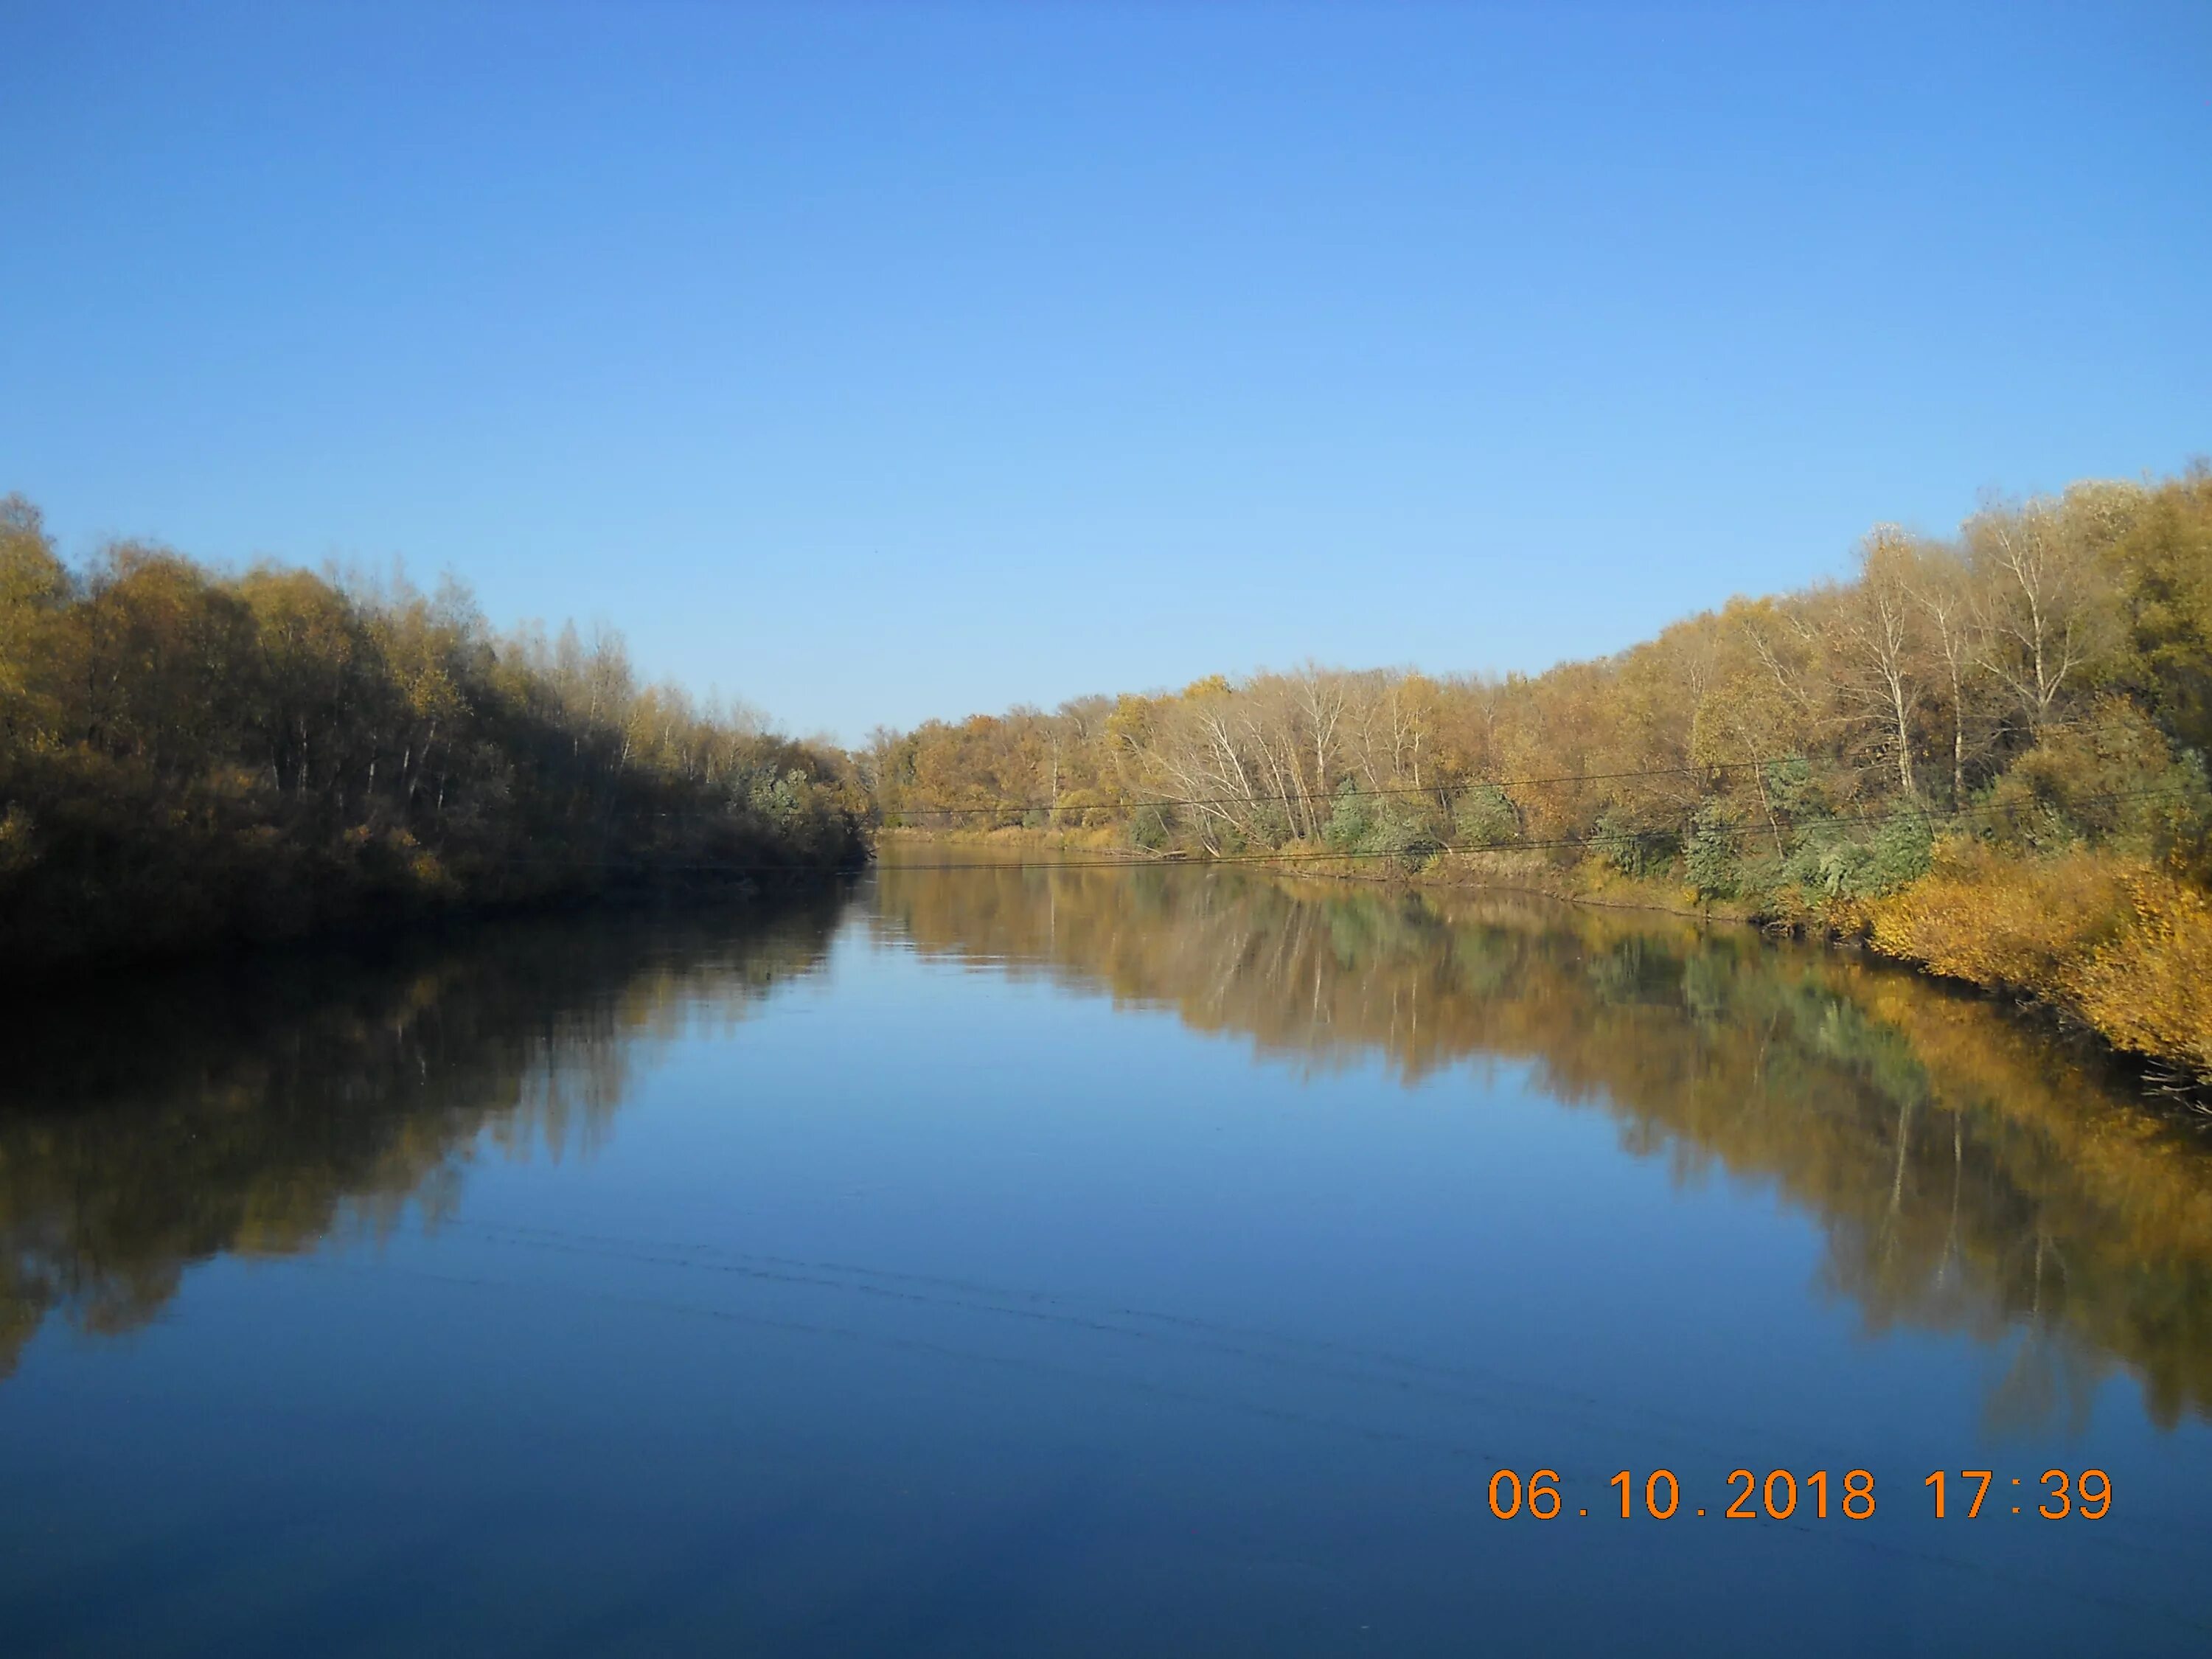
column 401, row 926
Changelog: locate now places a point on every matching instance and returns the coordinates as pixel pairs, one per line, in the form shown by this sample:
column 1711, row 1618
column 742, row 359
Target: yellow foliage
column 2003, row 921
column 2124, row 947
column 2150, row 989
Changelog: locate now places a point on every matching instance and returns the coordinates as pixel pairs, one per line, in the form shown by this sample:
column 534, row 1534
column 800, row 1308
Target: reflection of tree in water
column 262, row 1109
column 1969, row 1174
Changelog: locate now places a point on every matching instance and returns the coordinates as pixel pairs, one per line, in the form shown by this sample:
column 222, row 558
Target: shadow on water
column 1968, row 1173
column 263, row 1106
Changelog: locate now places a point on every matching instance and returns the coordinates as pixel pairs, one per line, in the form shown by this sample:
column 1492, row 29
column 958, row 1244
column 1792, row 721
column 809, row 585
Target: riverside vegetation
column 187, row 757
column 1984, row 754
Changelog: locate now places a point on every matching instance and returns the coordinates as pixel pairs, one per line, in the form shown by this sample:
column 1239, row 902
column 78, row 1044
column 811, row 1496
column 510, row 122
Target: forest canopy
column 187, row 756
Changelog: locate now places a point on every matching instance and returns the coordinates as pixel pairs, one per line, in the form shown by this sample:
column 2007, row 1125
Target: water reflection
column 1968, row 1173
column 263, row 1107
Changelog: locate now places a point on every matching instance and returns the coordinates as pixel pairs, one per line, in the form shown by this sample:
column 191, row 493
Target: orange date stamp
column 1782, row 1494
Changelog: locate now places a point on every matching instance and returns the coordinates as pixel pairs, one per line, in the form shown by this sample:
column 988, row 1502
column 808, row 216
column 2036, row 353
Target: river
column 1046, row 1260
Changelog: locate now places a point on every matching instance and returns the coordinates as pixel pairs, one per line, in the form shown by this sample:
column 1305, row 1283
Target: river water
column 1061, row 1260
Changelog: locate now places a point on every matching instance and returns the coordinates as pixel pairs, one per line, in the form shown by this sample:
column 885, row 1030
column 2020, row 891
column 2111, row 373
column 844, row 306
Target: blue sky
column 877, row 363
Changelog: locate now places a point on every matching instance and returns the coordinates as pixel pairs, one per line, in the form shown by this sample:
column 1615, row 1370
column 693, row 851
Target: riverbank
column 380, row 923
column 2114, row 946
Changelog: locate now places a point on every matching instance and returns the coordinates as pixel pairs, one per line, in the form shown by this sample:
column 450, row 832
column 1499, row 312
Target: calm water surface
column 1100, row 1262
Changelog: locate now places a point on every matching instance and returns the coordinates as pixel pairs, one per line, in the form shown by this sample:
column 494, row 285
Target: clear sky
column 877, row 363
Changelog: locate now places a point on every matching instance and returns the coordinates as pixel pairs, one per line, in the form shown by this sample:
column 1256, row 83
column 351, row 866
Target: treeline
column 1984, row 753
column 187, row 756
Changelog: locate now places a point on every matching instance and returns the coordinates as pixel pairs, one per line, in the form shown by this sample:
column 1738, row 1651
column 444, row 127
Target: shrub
column 1845, row 861
column 1712, row 856
column 1633, row 847
column 1995, row 920
column 1350, row 819
column 1903, row 851
column 1485, row 816
column 1383, row 827
column 2149, row 989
